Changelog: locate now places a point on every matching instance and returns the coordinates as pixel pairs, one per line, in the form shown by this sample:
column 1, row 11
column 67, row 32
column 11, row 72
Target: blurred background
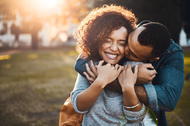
column 37, row 54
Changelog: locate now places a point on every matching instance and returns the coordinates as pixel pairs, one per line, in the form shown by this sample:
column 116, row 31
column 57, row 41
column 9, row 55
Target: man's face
column 112, row 51
column 134, row 51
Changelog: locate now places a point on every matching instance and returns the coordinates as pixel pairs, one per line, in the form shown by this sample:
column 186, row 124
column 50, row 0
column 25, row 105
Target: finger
column 89, row 71
column 100, row 63
column 125, row 67
column 91, row 82
column 93, row 68
column 108, row 64
column 120, row 68
column 149, row 66
column 153, row 76
column 153, row 72
column 136, row 70
column 116, row 66
column 90, row 79
column 129, row 66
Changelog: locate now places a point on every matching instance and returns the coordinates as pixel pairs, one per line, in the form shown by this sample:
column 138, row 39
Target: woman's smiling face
column 112, row 51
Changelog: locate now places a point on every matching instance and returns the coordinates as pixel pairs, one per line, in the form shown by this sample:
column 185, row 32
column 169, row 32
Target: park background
column 37, row 54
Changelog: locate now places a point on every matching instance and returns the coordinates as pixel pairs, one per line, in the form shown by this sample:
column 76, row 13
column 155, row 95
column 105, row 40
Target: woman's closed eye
column 108, row 40
column 122, row 43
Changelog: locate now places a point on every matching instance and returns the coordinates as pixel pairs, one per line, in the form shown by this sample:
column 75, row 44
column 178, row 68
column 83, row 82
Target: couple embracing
column 125, row 70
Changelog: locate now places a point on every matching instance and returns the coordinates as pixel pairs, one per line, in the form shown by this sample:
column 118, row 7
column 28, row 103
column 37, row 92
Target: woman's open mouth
column 111, row 56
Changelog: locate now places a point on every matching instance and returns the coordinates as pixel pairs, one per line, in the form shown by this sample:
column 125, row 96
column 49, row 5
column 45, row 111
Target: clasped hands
column 125, row 74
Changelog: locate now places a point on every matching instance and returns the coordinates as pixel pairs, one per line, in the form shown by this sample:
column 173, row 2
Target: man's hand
column 146, row 73
column 91, row 73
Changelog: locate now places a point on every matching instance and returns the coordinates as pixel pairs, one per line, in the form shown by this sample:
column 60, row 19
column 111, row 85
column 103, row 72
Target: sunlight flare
column 4, row 57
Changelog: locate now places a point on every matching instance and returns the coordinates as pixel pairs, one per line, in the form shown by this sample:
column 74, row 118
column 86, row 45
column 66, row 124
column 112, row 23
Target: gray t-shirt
column 108, row 108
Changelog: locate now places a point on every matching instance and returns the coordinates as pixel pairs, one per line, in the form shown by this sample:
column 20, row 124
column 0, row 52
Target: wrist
column 100, row 81
column 127, row 88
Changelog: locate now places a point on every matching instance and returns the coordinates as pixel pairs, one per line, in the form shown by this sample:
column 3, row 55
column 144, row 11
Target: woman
column 102, row 35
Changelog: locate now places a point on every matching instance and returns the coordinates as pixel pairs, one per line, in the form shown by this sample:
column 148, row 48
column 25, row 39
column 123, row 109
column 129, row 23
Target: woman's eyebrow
column 119, row 40
column 108, row 38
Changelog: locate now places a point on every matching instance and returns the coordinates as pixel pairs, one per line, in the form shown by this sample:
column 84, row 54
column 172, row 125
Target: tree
column 35, row 12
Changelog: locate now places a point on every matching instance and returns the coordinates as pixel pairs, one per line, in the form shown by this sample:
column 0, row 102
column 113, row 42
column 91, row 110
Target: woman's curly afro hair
column 98, row 25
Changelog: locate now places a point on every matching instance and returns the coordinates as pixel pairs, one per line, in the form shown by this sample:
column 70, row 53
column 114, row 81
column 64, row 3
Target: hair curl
column 98, row 25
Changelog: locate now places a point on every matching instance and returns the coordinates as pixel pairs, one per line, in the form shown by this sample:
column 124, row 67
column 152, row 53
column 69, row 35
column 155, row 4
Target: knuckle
column 150, row 79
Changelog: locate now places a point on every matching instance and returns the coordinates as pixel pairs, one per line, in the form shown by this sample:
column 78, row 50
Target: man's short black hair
column 143, row 22
column 155, row 35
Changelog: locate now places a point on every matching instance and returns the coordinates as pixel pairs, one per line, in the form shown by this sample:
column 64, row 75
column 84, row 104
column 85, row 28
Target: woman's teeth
column 111, row 55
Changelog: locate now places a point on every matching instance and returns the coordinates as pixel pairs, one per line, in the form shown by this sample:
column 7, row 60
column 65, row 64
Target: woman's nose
column 114, row 47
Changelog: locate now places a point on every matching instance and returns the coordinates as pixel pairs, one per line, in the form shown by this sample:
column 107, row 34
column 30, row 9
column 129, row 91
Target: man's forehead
column 140, row 51
column 136, row 32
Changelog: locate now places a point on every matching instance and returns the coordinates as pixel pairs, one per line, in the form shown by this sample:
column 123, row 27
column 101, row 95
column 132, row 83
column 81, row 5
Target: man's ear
column 153, row 59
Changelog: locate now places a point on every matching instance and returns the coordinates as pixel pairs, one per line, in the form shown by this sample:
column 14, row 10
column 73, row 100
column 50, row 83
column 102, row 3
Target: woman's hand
column 127, row 78
column 107, row 73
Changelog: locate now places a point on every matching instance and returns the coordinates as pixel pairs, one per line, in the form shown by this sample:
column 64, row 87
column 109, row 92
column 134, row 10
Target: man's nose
column 127, row 50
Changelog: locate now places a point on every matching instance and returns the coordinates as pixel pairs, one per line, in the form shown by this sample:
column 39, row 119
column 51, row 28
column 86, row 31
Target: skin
column 132, row 53
column 112, row 51
column 135, row 51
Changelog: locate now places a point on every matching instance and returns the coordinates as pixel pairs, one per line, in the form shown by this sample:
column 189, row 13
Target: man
column 165, row 89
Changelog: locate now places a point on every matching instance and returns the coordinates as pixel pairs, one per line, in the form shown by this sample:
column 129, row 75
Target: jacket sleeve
column 80, row 65
column 168, row 84
column 135, row 116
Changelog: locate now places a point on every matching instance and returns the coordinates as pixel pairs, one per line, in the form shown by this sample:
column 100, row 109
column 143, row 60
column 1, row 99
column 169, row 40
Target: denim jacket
column 165, row 90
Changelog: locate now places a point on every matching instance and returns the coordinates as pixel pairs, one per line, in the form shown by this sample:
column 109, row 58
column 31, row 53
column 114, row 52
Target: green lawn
column 34, row 85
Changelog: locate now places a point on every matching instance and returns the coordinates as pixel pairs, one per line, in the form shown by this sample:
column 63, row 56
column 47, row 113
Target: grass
column 35, row 84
